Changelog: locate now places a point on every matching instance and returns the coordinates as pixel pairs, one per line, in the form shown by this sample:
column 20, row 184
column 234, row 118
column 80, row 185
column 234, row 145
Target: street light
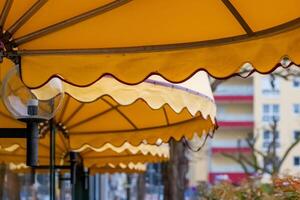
column 31, row 106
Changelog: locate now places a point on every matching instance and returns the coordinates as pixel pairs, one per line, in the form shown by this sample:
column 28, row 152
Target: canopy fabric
column 131, row 39
column 106, row 121
column 128, row 169
column 150, row 112
column 111, row 169
column 124, row 156
column 194, row 94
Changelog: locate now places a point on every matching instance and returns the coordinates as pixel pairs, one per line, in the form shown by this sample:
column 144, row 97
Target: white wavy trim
column 145, row 149
column 247, row 68
column 11, row 148
column 194, row 94
column 133, row 166
column 17, row 166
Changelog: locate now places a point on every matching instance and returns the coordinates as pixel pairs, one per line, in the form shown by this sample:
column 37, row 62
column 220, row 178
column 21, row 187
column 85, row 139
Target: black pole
column 32, row 133
column 73, row 163
column 128, row 189
column 32, row 142
column 52, row 160
column 86, row 179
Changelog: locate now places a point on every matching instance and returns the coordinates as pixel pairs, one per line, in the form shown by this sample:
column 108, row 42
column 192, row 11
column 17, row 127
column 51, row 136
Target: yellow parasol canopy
column 106, row 121
column 80, row 41
column 109, row 168
column 128, row 169
column 151, row 112
column 125, row 156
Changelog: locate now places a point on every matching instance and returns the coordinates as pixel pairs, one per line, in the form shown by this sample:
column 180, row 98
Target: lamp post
column 32, row 106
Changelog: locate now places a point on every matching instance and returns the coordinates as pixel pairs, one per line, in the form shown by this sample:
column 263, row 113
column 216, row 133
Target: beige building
column 283, row 102
column 234, row 99
column 248, row 106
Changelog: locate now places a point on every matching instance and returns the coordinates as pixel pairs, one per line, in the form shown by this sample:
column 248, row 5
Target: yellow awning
column 153, row 111
column 128, row 169
column 126, row 155
column 106, row 121
column 80, row 41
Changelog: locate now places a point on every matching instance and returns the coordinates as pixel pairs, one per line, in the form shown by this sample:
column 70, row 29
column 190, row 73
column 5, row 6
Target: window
column 297, row 161
column 270, row 86
column 296, row 135
column 270, row 112
column 296, row 108
column 296, row 82
column 268, row 138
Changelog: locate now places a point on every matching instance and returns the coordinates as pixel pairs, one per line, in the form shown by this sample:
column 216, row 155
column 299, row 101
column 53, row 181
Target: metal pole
column 128, row 187
column 52, row 160
column 32, row 143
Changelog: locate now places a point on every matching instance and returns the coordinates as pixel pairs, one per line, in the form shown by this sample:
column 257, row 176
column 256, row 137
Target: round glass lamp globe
column 25, row 103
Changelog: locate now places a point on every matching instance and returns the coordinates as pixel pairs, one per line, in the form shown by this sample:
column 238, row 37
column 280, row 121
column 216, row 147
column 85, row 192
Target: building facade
column 235, row 100
column 281, row 103
column 251, row 106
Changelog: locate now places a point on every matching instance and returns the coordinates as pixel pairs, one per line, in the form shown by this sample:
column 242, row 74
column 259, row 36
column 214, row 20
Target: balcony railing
column 234, row 91
column 235, row 117
column 227, row 167
column 228, row 143
column 233, row 146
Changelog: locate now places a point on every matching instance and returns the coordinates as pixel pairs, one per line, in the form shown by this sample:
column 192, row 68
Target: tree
column 174, row 171
column 271, row 162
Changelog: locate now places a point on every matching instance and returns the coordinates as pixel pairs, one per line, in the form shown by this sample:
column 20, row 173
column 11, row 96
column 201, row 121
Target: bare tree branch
column 269, row 155
column 239, row 161
column 287, row 152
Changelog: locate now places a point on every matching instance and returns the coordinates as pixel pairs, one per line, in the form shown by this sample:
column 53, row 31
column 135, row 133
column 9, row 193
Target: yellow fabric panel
column 1, row 4
column 108, row 99
column 146, row 24
column 18, row 8
column 70, row 108
column 139, row 22
column 5, row 66
column 114, row 170
column 267, row 13
column 220, row 61
column 132, row 168
column 9, row 142
column 110, row 150
column 194, row 94
column 176, row 118
column 144, row 116
column 106, row 155
column 55, row 11
column 102, row 161
column 60, row 148
column 106, row 121
column 19, row 156
column 187, row 129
